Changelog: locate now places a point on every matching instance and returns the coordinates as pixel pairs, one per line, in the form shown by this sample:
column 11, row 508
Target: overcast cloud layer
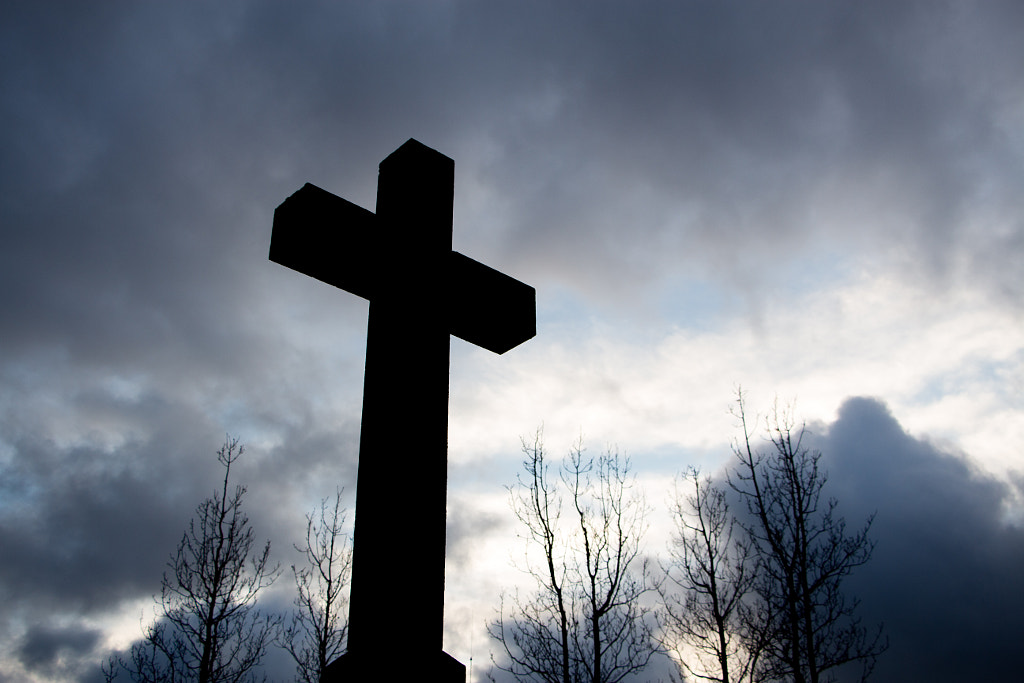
column 817, row 200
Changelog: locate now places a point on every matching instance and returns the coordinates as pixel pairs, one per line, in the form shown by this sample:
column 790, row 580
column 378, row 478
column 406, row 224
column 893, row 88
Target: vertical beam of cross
column 420, row 293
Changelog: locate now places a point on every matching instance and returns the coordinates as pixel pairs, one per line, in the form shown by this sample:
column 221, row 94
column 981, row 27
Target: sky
column 819, row 202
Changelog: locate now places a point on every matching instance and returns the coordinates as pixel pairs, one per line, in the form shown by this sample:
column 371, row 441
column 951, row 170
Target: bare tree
column 807, row 624
column 316, row 634
column 586, row 621
column 209, row 629
column 710, row 574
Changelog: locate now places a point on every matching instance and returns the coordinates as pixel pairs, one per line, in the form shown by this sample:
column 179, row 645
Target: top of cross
column 404, row 250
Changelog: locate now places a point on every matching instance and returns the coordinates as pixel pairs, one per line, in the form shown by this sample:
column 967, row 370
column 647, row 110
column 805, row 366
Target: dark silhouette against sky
column 420, row 293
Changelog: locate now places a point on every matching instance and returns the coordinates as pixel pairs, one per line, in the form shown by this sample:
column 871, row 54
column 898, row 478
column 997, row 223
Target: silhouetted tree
column 208, row 628
column 802, row 617
column 585, row 622
column 316, row 634
column 710, row 575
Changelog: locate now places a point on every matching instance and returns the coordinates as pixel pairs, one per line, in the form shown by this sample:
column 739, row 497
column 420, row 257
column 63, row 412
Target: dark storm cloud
column 145, row 146
column 729, row 134
column 149, row 144
column 133, row 240
column 945, row 576
column 43, row 647
column 86, row 527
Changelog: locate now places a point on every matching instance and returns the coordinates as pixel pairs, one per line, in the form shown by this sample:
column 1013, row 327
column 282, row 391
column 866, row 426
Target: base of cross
column 439, row 667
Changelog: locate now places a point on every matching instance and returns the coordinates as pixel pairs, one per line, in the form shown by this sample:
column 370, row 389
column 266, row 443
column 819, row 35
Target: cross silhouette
column 420, row 293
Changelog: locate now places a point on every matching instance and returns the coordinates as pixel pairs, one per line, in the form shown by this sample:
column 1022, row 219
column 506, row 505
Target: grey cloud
column 754, row 129
column 85, row 527
column 466, row 527
column 47, row 648
column 146, row 146
column 151, row 144
column 945, row 575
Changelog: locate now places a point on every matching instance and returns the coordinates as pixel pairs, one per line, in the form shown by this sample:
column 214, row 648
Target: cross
column 420, row 293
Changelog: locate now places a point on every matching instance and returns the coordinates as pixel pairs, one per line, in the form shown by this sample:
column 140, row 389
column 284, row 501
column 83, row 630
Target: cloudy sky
column 819, row 201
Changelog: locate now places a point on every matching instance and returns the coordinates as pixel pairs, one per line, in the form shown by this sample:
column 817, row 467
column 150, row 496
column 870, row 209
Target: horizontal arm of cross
column 335, row 241
column 487, row 307
column 326, row 237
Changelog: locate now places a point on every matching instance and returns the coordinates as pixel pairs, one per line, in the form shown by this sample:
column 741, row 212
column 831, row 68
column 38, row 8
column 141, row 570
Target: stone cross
column 420, row 292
